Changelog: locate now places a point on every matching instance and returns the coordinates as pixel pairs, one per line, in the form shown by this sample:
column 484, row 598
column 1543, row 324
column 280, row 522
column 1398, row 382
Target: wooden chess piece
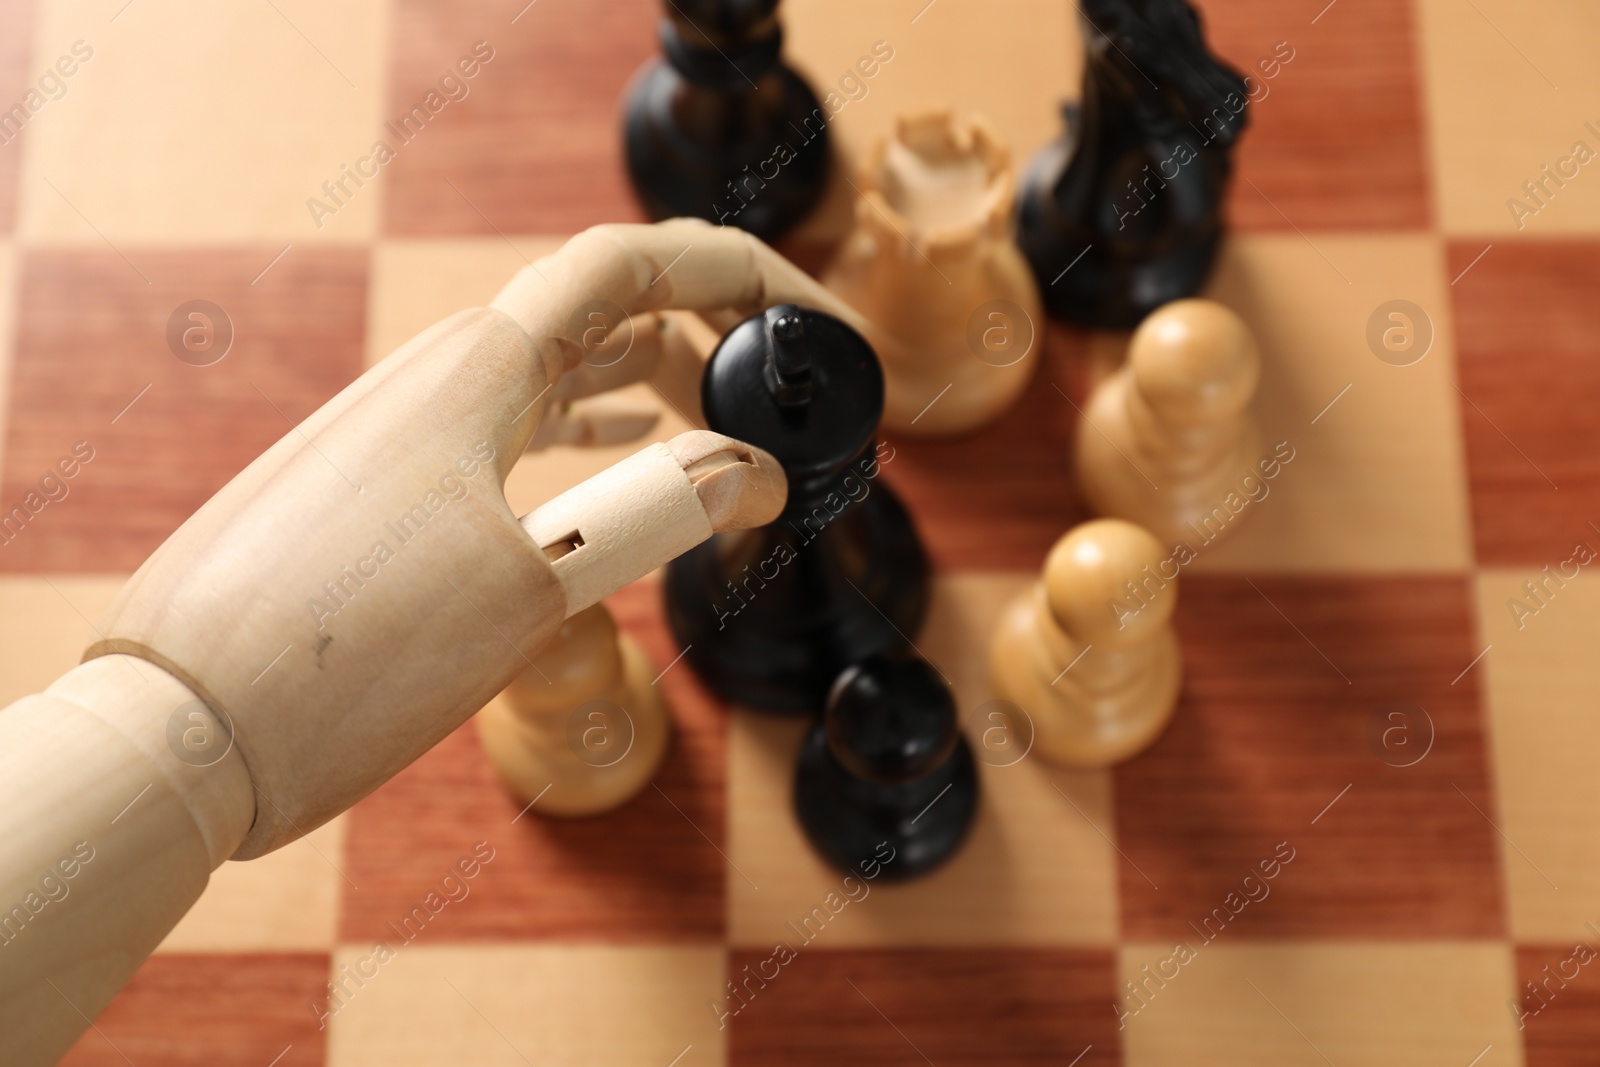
column 770, row 617
column 887, row 776
column 1088, row 654
column 582, row 729
column 952, row 306
column 1169, row 441
column 1124, row 212
column 720, row 128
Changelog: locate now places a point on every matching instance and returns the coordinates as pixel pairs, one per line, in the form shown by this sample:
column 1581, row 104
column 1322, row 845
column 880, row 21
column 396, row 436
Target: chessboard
column 1386, row 687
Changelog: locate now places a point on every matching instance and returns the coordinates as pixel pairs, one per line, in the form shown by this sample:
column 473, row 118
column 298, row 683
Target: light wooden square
column 1543, row 684
column 1015, row 71
column 511, row 1005
column 1511, row 87
column 46, row 621
column 286, row 901
column 1429, row 1004
column 204, row 123
column 1377, row 481
column 1037, row 869
column 416, row 283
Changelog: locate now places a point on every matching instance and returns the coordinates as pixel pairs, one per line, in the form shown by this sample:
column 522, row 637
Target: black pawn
column 1124, row 213
column 769, row 617
column 721, row 129
column 887, row 773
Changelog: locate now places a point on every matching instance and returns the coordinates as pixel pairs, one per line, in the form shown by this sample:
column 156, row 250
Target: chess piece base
column 1181, row 507
column 847, row 819
column 530, row 756
column 1074, row 726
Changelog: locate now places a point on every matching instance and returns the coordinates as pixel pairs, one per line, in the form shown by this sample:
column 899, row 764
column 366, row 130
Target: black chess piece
column 720, row 128
column 887, row 773
column 1123, row 214
column 769, row 617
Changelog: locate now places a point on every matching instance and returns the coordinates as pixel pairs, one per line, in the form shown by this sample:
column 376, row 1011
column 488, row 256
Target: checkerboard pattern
column 1420, row 914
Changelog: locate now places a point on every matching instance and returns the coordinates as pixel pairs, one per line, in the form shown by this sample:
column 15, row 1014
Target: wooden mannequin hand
column 350, row 598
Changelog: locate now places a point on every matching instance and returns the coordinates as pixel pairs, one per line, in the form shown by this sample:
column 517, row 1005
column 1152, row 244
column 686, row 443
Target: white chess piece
column 582, row 729
column 1088, row 653
column 953, row 310
column 1169, row 441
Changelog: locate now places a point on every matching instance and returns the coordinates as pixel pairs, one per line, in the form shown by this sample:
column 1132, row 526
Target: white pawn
column 582, row 729
column 1169, row 441
column 1088, row 653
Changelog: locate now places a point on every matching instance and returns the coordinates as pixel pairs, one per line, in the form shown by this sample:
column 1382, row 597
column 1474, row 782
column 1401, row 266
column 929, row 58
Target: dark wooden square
column 1289, row 687
column 1336, row 138
column 997, row 499
column 994, row 1007
column 1526, row 323
column 223, row 1010
column 536, row 144
column 93, row 365
column 1560, row 1016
